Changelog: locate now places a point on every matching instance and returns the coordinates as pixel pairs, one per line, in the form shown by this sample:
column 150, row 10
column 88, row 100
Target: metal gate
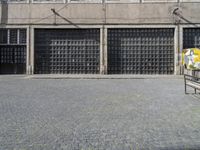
column 191, row 38
column 12, row 51
column 141, row 51
column 67, row 51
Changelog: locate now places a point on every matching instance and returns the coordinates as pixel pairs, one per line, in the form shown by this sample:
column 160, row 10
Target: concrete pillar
column 103, row 51
column 178, row 50
column 28, row 51
column 181, row 49
column 31, row 51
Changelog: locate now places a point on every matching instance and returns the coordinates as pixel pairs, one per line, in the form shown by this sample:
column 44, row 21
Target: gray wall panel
column 128, row 13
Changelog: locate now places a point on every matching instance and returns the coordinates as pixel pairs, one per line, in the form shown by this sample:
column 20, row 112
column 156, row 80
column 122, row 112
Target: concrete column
column 28, row 51
column 31, row 50
column 180, row 50
column 103, row 50
column 177, row 50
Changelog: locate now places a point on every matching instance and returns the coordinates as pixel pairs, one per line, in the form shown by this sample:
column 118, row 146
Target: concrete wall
column 135, row 13
column 40, row 15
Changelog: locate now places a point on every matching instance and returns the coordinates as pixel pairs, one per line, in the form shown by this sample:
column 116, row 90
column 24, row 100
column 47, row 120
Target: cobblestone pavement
column 110, row 114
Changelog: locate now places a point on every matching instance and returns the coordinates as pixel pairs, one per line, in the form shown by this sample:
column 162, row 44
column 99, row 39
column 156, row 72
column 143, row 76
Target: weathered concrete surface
column 38, row 114
column 126, row 13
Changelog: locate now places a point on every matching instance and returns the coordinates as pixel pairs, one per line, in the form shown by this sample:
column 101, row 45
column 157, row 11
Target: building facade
column 96, row 36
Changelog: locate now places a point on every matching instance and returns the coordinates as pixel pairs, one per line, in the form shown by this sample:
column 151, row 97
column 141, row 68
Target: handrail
column 186, row 75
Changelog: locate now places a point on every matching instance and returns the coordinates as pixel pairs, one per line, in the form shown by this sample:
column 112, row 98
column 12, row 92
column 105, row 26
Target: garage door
column 141, row 51
column 67, row 51
column 12, row 51
column 191, row 37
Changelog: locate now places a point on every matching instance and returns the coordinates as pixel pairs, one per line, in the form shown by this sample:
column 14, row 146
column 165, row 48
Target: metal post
column 185, row 84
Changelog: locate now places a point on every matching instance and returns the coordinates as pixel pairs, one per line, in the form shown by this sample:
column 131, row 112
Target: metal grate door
column 67, row 51
column 141, row 51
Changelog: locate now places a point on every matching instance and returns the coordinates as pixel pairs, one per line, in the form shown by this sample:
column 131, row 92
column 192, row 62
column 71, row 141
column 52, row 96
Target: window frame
column 18, row 37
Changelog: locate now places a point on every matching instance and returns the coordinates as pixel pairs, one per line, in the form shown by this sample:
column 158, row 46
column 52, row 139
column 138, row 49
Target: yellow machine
column 191, row 58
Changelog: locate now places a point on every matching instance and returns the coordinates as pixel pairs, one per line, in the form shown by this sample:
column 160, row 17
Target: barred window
column 3, row 36
column 12, row 36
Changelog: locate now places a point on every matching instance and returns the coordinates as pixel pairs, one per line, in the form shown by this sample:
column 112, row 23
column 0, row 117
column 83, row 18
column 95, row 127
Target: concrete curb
column 103, row 76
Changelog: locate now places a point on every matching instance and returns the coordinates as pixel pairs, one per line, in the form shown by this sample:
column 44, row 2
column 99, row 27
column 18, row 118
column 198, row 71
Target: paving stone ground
column 92, row 114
